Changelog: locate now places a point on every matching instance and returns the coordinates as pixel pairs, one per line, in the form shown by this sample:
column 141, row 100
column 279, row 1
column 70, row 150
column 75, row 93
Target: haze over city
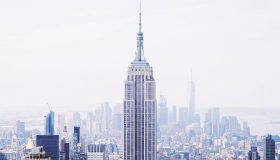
column 76, row 54
column 139, row 80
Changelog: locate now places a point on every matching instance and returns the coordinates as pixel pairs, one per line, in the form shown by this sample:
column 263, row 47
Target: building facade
column 140, row 112
column 269, row 148
column 50, row 144
column 49, row 123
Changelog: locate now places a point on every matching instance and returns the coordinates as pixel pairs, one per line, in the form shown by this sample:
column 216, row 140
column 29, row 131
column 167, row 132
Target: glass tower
column 49, row 126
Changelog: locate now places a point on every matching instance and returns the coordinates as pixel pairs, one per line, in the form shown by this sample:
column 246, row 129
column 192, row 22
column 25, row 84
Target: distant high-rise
column 90, row 120
column 49, row 123
column 269, row 148
column 77, row 119
column 173, row 115
column 50, row 144
column 163, row 111
column 20, row 128
column 140, row 112
column 61, row 123
column 106, row 118
column 191, row 101
column 118, row 118
column 183, row 116
column 253, row 154
column 212, row 122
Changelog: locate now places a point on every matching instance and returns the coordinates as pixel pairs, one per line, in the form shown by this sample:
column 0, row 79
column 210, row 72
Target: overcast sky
column 75, row 53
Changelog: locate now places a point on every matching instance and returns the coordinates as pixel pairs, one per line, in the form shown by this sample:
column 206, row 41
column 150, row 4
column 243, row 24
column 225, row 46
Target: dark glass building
column 77, row 134
column 50, row 144
column 269, row 148
column 253, row 154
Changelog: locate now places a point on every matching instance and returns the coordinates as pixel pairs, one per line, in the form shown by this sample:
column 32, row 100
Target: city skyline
column 234, row 61
column 61, row 72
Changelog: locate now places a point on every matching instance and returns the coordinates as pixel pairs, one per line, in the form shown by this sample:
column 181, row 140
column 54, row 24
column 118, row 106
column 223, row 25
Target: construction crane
column 49, row 107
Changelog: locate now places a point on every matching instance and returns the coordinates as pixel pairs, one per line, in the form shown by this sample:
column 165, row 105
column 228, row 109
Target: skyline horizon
column 231, row 66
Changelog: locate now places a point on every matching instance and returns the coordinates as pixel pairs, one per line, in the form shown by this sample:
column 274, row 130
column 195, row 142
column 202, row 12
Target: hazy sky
column 75, row 53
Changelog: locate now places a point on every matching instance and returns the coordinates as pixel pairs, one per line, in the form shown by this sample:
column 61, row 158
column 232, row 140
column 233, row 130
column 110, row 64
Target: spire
column 140, row 51
column 140, row 17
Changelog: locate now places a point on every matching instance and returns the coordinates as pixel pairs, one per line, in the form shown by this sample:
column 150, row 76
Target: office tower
column 97, row 152
column 106, row 118
column 64, row 145
column 140, row 113
column 246, row 129
column 183, row 116
column 118, row 118
column 20, row 128
column 90, row 119
column 269, row 148
column 50, row 144
column 61, row 123
column 173, row 115
column 212, row 122
column 230, row 124
column 253, row 154
column 49, row 123
column 77, row 119
column 191, row 100
column 76, row 141
column 163, row 111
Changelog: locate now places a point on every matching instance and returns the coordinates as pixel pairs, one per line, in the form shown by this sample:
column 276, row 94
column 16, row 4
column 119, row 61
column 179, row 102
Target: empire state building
column 140, row 107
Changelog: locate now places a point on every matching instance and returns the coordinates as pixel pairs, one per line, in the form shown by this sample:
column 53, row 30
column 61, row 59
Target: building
column 253, row 154
column 191, row 101
column 76, row 142
column 269, row 148
column 49, row 123
column 50, row 144
column 212, row 122
column 183, row 116
column 97, row 152
column 33, row 152
column 163, row 111
column 118, row 118
column 230, row 124
column 64, row 145
column 106, row 118
column 61, row 123
column 140, row 112
column 20, row 128
column 173, row 115
column 8, row 154
column 77, row 119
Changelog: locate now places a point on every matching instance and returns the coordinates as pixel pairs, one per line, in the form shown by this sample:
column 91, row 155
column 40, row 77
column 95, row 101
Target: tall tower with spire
column 140, row 107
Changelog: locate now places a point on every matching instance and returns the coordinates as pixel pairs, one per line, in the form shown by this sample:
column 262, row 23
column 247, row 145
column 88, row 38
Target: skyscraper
column 191, row 101
column 76, row 141
column 269, row 148
column 163, row 112
column 253, row 154
column 64, row 143
column 212, row 122
column 49, row 123
column 50, row 144
column 173, row 115
column 140, row 107
column 183, row 116
column 20, row 128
